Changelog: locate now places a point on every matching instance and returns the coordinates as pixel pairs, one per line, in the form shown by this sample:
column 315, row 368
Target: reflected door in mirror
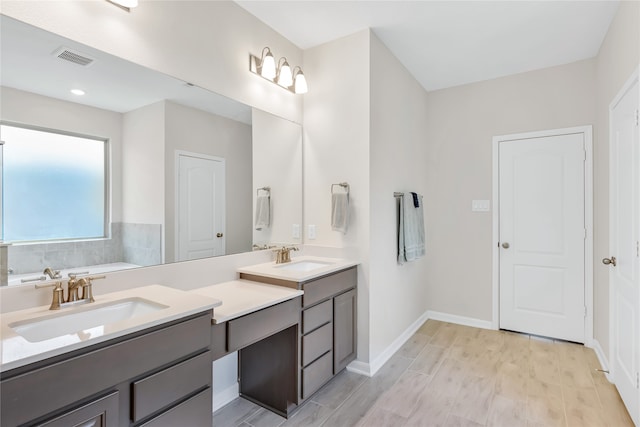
column 201, row 206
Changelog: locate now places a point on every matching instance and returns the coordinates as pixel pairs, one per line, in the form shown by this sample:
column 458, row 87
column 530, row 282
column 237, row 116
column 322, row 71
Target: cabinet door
column 98, row 413
column 344, row 330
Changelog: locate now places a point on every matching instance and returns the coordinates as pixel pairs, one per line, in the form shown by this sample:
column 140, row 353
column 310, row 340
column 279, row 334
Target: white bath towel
column 263, row 212
column 339, row 212
column 411, row 236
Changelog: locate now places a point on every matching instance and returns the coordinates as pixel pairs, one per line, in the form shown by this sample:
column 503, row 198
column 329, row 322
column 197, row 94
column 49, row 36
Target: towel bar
column 397, row 194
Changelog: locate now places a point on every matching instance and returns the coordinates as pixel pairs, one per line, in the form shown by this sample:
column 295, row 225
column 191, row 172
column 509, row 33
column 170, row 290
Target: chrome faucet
column 73, row 284
column 284, row 254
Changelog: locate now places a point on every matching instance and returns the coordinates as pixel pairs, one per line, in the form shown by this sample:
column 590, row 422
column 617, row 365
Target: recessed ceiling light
column 78, row 92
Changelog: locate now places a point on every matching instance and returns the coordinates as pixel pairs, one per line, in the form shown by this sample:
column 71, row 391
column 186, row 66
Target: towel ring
column 265, row 189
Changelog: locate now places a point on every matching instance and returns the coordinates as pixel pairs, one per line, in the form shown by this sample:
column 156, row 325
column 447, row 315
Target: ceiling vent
column 73, row 56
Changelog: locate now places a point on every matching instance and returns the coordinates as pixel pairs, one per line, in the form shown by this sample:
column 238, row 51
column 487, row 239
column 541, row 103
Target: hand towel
column 339, row 212
column 411, row 235
column 263, row 212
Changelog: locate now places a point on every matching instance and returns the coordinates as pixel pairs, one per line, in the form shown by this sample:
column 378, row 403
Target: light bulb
column 78, row 92
column 300, row 85
column 285, row 78
column 268, row 70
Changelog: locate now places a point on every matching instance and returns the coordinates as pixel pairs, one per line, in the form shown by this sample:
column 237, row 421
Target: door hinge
column 585, row 311
column 637, row 249
column 637, row 117
column 585, row 234
column 637, row 379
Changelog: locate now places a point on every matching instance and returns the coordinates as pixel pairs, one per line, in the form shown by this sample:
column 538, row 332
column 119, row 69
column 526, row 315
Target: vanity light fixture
column 280, row 74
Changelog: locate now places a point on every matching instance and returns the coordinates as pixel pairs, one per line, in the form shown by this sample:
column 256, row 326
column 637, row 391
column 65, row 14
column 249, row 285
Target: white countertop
column 284, row 271
column 240, row 297
column 16, row 351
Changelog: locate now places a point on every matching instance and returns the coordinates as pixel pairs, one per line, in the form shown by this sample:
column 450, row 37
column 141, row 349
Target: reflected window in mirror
column 54, row 185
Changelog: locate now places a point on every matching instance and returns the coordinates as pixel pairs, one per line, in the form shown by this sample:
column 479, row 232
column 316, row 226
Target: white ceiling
column 450, row 43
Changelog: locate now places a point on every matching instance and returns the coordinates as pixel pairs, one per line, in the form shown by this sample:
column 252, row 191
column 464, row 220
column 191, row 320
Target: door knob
column 505, row 245
column 607, row 261
column 219, row 234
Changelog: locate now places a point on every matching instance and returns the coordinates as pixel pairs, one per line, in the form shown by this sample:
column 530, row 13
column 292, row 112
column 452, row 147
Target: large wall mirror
column 176, row 172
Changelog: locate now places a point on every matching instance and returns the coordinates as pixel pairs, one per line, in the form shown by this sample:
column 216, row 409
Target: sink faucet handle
column 58, row 294
column 86, row 284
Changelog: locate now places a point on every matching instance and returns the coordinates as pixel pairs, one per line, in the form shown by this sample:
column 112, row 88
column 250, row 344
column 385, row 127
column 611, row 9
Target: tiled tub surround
column 139, row 244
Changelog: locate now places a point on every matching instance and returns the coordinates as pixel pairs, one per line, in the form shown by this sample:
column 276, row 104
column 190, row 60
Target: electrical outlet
column 295, row 231
column 311, row 233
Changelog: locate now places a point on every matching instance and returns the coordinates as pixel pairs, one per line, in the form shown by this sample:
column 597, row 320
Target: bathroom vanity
column 326, row 338
column 153, row 370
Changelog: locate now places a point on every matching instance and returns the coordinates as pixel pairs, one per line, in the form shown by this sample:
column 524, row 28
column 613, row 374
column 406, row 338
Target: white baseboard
column 460, row 320
column 370, row 369
column 602, row 358
column 225, row 396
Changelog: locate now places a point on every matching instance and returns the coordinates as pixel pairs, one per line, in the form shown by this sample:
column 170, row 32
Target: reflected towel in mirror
column 340, row 212
column 263, row 212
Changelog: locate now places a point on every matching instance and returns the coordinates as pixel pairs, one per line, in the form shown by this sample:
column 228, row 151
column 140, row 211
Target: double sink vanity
column 143, row 357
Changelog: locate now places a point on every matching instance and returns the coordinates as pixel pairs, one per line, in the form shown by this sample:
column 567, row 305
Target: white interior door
column 201, row 207
column 542, row 235
column 625, row 247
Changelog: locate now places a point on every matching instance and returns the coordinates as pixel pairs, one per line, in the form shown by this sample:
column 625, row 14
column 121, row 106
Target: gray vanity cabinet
column 157, row 377
column 327, row 337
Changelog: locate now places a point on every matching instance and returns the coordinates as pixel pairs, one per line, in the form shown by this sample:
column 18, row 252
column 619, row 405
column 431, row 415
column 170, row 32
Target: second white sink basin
column 304, row 265
column 82, row 318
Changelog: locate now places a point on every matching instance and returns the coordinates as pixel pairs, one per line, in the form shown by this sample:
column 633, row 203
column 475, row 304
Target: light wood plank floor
column 452, row 375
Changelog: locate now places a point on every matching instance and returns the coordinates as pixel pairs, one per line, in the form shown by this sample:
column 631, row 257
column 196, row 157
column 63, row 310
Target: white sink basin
column 304, row 265
column 83, row 318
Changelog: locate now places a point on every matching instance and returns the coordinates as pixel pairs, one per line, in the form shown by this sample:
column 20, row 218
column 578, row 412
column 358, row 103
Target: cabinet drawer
column 317, row 343
column 193, row 412
column 316, row 375
column 168, row 386
column 316, row 316
column 253, row 327
column 325, row 287
column 102, row 412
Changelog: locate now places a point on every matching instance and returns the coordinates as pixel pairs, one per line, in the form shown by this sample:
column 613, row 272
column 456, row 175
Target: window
column 53, row 185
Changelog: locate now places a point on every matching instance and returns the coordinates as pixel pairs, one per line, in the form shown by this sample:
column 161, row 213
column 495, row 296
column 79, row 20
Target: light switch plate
column 295, row 231
column 311, row 233
column 480, row 206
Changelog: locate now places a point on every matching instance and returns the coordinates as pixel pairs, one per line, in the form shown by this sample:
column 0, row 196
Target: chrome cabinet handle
column 505, row 245
column 607, row 261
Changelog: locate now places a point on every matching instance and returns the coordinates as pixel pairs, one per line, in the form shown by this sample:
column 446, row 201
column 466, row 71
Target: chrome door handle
column 607, row 261
column 505, row 245
column 219, row 234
